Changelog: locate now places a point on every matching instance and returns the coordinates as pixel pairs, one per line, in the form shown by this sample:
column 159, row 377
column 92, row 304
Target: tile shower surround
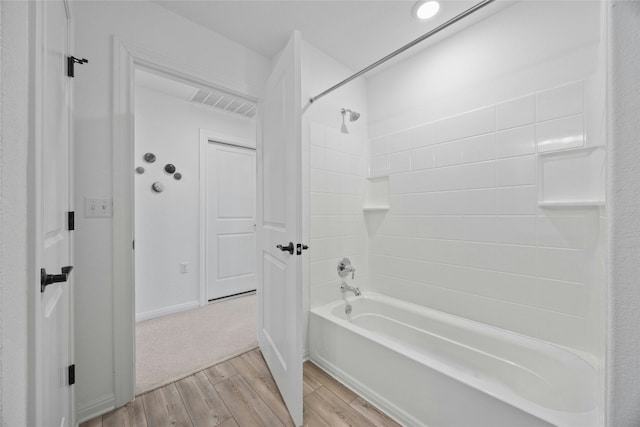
column 465, row 234
column 337, row 176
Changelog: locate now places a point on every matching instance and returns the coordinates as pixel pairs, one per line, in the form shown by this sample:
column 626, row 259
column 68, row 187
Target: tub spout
column 346, row 288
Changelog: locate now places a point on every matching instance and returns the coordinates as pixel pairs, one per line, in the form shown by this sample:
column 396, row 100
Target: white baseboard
column 96, row 407
column 166, row 310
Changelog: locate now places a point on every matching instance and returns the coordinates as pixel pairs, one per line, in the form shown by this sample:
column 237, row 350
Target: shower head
column 353, row 116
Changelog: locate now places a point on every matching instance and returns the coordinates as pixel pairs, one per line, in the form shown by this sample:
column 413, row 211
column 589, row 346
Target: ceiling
column 356, row 33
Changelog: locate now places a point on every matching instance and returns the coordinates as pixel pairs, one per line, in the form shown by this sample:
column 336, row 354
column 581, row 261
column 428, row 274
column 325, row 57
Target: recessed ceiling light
column 425, row 9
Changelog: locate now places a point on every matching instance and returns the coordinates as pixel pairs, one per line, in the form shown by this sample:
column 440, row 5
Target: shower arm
column 403, row 48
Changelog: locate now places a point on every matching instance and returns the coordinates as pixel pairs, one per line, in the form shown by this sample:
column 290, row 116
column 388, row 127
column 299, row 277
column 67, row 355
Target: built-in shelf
column 376, row 194
column 569, row 151
column 567, row 203
column 380, row 175
column 375, row 208
column 572, row 177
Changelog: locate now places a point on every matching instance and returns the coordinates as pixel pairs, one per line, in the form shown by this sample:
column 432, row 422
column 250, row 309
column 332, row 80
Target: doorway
column 182, row 193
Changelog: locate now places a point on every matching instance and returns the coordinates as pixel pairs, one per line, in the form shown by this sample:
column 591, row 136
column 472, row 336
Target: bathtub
column 428, row 368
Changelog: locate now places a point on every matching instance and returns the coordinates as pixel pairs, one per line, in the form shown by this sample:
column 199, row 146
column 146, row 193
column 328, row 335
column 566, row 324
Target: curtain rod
column 403, row 48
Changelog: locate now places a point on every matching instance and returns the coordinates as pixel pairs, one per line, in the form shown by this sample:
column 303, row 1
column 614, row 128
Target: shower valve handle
column 345, row 267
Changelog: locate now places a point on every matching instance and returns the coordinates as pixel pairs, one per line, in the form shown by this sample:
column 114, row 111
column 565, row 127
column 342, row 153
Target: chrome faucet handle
column 345, row 267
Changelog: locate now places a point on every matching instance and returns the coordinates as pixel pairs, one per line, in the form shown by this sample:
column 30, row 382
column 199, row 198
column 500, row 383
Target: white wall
column 167, row 224
column 459, row 127
column 179, row 41
column 527, row 47
column 333, row 178
column 17, row 270
column 623, row 339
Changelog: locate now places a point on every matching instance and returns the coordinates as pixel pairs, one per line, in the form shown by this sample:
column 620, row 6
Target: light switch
column 98, row 208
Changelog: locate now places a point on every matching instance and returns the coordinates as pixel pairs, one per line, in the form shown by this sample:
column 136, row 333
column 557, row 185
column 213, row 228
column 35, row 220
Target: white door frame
column 206, row 137
column 126, row 56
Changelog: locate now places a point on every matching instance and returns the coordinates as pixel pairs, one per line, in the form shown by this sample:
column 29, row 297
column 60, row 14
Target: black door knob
column 289, row 248
column 48, row 279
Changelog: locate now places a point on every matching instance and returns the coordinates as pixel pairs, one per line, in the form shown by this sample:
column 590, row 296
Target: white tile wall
column 336, row 221
column 560, row 102
column 465, row 234
column 518, row 112
column 516, row 141
column 400, row 141
column 558, row 134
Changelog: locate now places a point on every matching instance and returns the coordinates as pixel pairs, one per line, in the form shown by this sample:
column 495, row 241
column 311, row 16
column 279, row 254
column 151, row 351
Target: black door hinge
column 71, row 62
column 72, row 374
column 71, row 221
column 300, row 247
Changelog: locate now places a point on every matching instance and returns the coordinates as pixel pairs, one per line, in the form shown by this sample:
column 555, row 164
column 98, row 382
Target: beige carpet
column 175, row 346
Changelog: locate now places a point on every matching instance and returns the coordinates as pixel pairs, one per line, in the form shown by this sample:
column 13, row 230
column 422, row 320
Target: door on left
column 53, row 202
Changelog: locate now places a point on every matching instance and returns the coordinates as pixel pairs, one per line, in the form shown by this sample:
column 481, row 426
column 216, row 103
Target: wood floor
column 241, row 393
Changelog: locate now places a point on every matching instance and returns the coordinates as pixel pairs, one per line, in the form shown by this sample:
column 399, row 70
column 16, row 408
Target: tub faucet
column 346, row 288
column 345, row 267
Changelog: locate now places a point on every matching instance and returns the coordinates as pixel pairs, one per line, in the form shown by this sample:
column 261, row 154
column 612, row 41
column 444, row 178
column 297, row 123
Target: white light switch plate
column 98, row 208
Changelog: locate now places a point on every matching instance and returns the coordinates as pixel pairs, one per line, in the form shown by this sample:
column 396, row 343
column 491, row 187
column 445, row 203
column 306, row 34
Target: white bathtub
column 428, row 368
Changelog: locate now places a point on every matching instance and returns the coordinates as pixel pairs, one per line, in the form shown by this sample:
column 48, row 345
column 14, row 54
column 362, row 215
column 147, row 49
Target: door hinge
column 72, row 374
column 71, row 62
column 300, row 247
column 71, row 221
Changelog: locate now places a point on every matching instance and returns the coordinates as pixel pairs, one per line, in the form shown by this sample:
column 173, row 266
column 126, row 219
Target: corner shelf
column 376, row 194
column 375, row 208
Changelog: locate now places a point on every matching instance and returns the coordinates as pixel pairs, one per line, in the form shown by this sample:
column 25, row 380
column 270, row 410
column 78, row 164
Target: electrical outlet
column 184, row 267
column 98, row 208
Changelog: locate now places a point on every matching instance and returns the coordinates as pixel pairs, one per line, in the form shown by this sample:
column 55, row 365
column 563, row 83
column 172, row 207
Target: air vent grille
column 224, row 101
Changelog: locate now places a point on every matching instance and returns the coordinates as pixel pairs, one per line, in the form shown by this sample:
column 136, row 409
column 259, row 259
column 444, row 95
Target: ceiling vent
column 224, row 101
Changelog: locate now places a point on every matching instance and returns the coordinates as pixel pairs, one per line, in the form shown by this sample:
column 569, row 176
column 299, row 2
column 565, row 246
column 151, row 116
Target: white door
column 231, row 218
column 280, row 294
column 53, row 192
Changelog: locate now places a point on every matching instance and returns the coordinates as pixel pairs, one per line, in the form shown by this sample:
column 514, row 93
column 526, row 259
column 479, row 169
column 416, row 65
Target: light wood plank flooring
column 241, row 393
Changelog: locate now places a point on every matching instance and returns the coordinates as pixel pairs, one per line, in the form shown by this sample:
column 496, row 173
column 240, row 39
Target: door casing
column 126, row 57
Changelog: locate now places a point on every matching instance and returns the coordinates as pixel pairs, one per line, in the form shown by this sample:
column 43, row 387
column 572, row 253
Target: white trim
column 36, row 17
column 127, row 56
column 202, row 211
column 96, row 407
column 147, row 315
